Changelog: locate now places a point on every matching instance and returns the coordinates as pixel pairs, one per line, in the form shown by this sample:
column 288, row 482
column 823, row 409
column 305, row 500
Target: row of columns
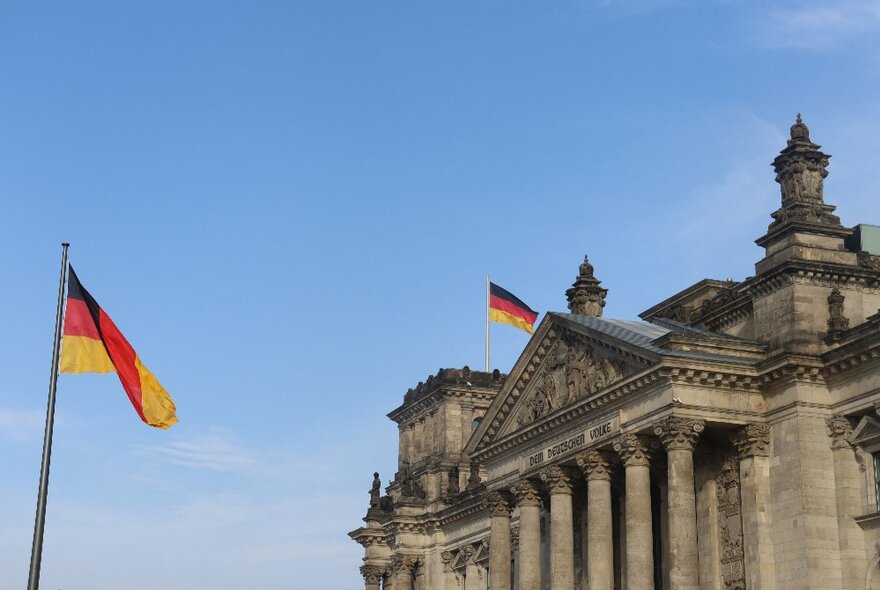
column 679, row 437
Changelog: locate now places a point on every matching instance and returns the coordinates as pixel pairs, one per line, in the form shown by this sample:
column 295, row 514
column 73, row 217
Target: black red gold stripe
column 92, row 343
column 507, row 308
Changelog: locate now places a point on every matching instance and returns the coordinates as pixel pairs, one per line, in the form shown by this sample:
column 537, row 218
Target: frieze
column 570, row 443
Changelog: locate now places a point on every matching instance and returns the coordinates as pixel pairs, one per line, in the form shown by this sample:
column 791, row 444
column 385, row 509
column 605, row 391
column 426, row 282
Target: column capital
column 404, row 563
column 752, row 440
column 679, row 434
column 526, row 492
column 596, row 465
column 634, row 449
column 559, row 480
column 840, row 429
column 499, row 503
column 372, row 573
column 446, row 557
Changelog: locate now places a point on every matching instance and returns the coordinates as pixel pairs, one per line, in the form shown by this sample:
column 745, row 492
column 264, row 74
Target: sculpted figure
column 375, row 492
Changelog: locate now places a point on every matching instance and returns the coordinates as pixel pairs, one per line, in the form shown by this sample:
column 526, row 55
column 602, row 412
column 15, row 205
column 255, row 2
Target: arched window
column 476, row 423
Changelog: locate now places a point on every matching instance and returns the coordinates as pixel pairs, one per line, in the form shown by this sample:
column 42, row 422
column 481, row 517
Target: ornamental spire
column 586, row 297
column 800, row 171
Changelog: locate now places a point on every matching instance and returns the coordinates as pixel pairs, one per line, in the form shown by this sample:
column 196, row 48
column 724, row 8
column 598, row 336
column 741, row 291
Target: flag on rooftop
column 506, row 308
column 91, row 343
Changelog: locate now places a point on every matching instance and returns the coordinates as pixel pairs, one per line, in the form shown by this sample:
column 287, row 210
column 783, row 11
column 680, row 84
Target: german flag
column 91, row 343
column 506, row 308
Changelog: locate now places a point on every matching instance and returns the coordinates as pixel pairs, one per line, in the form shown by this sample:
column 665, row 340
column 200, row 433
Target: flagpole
column 40, row 521
column 487, row 323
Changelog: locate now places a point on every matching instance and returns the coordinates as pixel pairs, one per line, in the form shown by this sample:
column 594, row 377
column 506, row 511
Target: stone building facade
column 730, row 439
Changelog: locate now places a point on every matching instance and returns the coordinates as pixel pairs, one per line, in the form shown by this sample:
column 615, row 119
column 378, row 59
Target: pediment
column 563, row 364
column 866, row 433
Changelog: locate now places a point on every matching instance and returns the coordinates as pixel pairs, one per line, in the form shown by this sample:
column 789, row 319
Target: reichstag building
column 729, row 439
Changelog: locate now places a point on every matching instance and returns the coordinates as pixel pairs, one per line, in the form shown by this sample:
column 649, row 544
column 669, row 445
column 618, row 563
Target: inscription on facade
column 577, row 440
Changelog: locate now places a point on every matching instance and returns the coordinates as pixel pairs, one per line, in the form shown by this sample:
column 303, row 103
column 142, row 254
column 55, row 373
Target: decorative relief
column 679, row 434
column 869, row 260
column 594, row 464
column 559, row 480
column 753, row 440
column 730, row 535
column 570, row 372
column 634, row 450
column 840, row 429
column 499, row 503
column 526, row 493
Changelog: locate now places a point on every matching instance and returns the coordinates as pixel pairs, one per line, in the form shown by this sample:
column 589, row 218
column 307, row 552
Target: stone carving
column 634, row 450
column 585, row 296
column 722, row 298
column 837, row 322
column 409, row 485
column 869, row 260
column 376, row 493
column 499, row 503
column 453, row 487
column 594, row 464
column 678, row 313
column 372, row 574
column 526, row 493
column 730, row 534
column 559, row 480
column 474, row 480
column 752, row 440
column 570, row 372
column 840, row 429
column 679, row 434
column 446, row 557
column 403, row 564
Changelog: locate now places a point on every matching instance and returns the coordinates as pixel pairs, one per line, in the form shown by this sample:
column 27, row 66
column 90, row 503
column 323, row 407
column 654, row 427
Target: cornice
column 429, row 403
column 789, row 368
column 466, row 505
column 671, row 371
column 823, row 274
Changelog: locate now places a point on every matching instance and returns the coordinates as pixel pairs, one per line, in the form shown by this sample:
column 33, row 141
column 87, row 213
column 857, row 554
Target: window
column 476, row 424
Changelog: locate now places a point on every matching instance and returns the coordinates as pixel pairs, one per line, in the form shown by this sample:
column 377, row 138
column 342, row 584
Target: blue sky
column 290, row 210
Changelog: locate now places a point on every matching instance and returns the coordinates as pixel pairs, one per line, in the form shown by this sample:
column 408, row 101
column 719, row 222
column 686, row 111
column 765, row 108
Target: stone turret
column 585, row 296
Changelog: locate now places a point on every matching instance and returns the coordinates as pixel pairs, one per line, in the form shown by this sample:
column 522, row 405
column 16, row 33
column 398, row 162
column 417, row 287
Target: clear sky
column 290, row 210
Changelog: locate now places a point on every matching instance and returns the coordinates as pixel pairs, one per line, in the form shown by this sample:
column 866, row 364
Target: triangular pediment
column 565, row 362
column 867, row 432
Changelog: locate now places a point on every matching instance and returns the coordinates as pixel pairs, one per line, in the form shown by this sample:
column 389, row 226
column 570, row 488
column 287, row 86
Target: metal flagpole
column 40, row 521
column 487, row 323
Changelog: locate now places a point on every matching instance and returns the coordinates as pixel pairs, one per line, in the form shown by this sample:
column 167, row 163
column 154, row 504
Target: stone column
column 409, row 453
column 372, row 576
column 402, row 566
column 600, row 542
column 679, row 437
column 634, row 452
column 847, row 480
column 528, row 499
column 559, row 482
column 499, row 505
column 752, row 442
